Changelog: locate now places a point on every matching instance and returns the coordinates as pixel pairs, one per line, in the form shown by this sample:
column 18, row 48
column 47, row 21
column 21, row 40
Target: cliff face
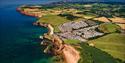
column 57, row 47
column 35, row 12
column 71, row 54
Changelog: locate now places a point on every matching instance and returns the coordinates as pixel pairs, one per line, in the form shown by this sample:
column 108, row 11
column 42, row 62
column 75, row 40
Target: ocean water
column 19, row 41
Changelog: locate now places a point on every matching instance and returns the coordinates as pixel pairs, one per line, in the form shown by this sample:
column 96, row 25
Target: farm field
column 91, row 54
column 113, row 44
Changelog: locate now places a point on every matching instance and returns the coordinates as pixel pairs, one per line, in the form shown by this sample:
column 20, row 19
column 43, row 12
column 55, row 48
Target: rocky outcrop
column 40, row 24
column 57, row 47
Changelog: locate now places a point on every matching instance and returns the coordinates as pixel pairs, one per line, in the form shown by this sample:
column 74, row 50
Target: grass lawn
column 53, row 20
column 71, row 41
column 113, row 43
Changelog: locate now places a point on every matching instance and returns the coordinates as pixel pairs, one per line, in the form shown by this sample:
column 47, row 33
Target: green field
column 71, row 41
column 54, row 20
column 113, row 44
column 109, row 27
column 93, row 55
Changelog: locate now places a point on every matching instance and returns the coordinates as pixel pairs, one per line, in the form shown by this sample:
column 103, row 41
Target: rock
column 41, row 37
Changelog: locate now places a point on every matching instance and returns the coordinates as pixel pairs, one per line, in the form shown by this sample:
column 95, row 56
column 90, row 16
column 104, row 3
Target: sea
column 19, row 39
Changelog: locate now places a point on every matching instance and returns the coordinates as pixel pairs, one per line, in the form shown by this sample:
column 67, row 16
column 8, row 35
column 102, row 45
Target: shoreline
column 68, row 51
column 56, row 43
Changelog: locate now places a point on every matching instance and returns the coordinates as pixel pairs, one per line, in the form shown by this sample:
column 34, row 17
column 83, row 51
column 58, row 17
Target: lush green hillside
column 114, row 44
column 93, row 55
column 54, row 20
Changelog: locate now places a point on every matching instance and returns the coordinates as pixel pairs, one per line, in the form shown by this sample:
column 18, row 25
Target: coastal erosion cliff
column 31, row 11
column 81, row 30
column 54, row 44
column 57, row 47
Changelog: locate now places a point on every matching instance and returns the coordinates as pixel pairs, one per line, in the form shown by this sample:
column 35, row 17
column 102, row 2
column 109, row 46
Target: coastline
column 83, row 30
column 68, row 51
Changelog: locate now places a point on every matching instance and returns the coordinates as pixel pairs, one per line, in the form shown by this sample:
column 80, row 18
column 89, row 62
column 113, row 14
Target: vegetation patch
column 113, row 43
column 53, row 20
column 108, row 27
column 53, row 59
column 93, row 55
column 69, row 16
column 71, row 41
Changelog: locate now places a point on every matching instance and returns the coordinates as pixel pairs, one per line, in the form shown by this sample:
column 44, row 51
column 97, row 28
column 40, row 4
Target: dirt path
column 50, row 29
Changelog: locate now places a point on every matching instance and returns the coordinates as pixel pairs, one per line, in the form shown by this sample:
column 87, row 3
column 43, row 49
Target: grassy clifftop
column 54, row 20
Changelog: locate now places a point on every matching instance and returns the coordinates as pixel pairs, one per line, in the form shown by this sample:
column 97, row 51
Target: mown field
column 113, row 44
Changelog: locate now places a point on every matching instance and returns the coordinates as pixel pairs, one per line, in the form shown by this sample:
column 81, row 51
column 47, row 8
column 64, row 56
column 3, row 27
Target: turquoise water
column 19, row 41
